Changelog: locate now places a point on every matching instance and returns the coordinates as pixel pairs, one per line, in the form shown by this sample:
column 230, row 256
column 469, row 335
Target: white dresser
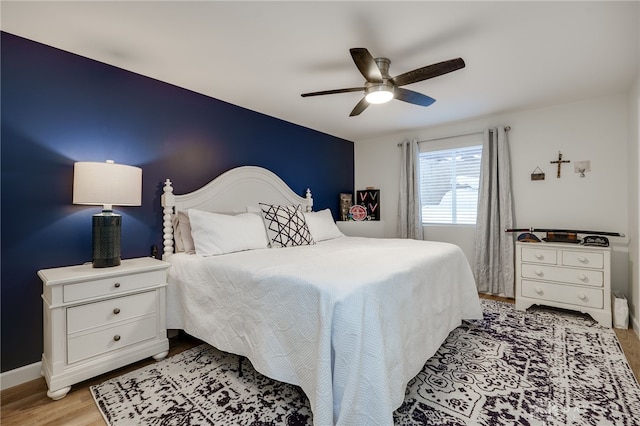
column 566, row 276
column 100, row 319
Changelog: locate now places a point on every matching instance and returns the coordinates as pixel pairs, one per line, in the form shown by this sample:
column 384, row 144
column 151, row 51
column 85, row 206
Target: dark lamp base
column 106, row 263
column 106, row 239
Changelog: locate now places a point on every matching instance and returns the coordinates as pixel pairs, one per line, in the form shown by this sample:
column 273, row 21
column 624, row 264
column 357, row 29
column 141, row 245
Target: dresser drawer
column 110, row 311
column 539, row 255
column 583, row 259
column 564, row 275
column 86, row 345
column 112, row 286
column 578, row 296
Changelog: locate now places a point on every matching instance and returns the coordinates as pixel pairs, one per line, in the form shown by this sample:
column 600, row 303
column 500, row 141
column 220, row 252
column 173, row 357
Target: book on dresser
column 564, row 275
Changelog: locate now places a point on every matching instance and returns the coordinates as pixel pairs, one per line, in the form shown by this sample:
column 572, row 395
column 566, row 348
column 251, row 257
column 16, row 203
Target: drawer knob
column 582, row 277
column 582, row 259
column 538, row 272
column 539, row 256
column 117, row 285
column 116, row 337
column 582, row 296
column 116, row 311
column 538, row 290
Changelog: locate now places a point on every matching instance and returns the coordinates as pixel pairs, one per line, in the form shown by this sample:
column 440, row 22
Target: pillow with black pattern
column 286, row 226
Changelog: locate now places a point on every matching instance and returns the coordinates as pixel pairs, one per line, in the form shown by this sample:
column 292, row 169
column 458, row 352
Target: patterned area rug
column 542, row 367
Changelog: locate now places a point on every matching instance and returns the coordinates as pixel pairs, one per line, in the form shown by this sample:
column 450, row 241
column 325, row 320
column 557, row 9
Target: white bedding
column 350, row 320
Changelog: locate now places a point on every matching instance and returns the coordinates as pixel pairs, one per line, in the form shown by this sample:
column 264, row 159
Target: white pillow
column 322, row 226
column 215, row 233
column 182, row 233
column 286, row 226
column 177, row 239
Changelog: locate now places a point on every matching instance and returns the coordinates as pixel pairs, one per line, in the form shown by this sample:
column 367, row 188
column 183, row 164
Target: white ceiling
column 263, row 55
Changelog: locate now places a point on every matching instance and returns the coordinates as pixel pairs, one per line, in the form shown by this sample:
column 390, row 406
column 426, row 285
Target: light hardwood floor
column 28, row 404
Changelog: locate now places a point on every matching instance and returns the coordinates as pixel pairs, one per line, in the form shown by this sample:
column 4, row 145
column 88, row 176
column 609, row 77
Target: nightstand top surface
column 68, row 274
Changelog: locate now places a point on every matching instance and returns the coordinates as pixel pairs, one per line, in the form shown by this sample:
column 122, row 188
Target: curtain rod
column 506, row 128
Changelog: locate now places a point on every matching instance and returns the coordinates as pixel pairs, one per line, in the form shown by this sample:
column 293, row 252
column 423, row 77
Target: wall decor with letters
column 370, row 199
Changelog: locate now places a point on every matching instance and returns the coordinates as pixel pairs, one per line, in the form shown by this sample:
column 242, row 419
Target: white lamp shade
column 107, row 184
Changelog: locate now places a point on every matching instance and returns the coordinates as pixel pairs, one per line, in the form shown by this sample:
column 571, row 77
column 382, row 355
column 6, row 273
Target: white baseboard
column 21, row 375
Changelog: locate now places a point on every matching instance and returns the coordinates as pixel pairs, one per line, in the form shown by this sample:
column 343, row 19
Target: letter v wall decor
column 370, row 199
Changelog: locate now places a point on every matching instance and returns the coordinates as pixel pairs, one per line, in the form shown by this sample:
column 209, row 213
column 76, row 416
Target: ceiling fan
column 380, row 87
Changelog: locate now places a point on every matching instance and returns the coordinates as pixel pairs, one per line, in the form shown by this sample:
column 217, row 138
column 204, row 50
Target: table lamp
column 106, row 184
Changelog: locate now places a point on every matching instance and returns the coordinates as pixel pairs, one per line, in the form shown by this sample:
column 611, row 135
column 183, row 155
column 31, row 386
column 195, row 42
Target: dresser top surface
column 561, row 246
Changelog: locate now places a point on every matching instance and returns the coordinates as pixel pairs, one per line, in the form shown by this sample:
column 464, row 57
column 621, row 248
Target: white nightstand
column 100, row 319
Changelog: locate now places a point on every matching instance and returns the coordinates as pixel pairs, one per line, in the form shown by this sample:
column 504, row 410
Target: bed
column 350, row 320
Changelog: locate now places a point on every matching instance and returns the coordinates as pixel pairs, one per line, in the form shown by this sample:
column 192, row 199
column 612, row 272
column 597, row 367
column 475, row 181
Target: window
column 449, row 180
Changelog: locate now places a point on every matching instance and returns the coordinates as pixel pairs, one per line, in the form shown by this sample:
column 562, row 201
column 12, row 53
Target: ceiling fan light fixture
column 379, row 94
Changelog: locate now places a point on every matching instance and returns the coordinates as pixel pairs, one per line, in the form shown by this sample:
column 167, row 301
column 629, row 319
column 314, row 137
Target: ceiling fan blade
column 429, row 71
column 362, row 105
column 366, row 64
column 332, row 92
column 412, row 97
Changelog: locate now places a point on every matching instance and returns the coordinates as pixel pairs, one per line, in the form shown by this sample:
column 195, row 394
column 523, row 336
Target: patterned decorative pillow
column 286, row 226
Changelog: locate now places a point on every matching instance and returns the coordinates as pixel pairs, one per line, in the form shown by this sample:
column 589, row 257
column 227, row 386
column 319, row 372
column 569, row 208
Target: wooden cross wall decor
column 559, row 162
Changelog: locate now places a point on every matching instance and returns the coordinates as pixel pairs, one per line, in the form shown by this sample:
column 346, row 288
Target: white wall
column 595, row 130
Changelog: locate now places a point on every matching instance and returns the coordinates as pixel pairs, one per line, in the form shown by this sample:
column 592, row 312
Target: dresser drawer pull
column 539, row 256
column 116, row 338
column 582, row 277
column 538, row 272
column 116, row 311
column 582, row 259
column 117, row 285
column 582, row 296
column 539, row 290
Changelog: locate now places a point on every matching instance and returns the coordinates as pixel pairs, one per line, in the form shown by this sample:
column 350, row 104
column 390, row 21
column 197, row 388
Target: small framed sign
column 537, row 174
column 358, row 212
column 346, row 201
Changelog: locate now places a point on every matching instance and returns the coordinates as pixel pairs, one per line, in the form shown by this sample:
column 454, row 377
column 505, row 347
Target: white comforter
column 349, row 320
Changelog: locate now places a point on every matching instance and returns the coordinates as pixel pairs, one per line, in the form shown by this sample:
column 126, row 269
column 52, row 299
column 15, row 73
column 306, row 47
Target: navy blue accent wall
column 59, row 108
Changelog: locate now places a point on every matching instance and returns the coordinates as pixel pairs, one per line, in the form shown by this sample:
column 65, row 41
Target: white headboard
column 232, row 191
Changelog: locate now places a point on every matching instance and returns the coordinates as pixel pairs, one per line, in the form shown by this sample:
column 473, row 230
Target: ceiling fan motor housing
column 383, row 65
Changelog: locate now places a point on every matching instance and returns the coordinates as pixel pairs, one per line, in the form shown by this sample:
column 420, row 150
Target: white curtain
column 409, row 216
column 494, row 248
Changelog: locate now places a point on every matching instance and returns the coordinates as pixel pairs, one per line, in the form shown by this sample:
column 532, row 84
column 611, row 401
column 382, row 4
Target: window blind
column 449, row 180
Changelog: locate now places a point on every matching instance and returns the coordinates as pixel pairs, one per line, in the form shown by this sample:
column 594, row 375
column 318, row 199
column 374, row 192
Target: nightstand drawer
column 565, row 275
column 579, row 296
column 109, row 311
column 539, row 255
column 112, row 285
column 85, row 345
column 583, row 259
